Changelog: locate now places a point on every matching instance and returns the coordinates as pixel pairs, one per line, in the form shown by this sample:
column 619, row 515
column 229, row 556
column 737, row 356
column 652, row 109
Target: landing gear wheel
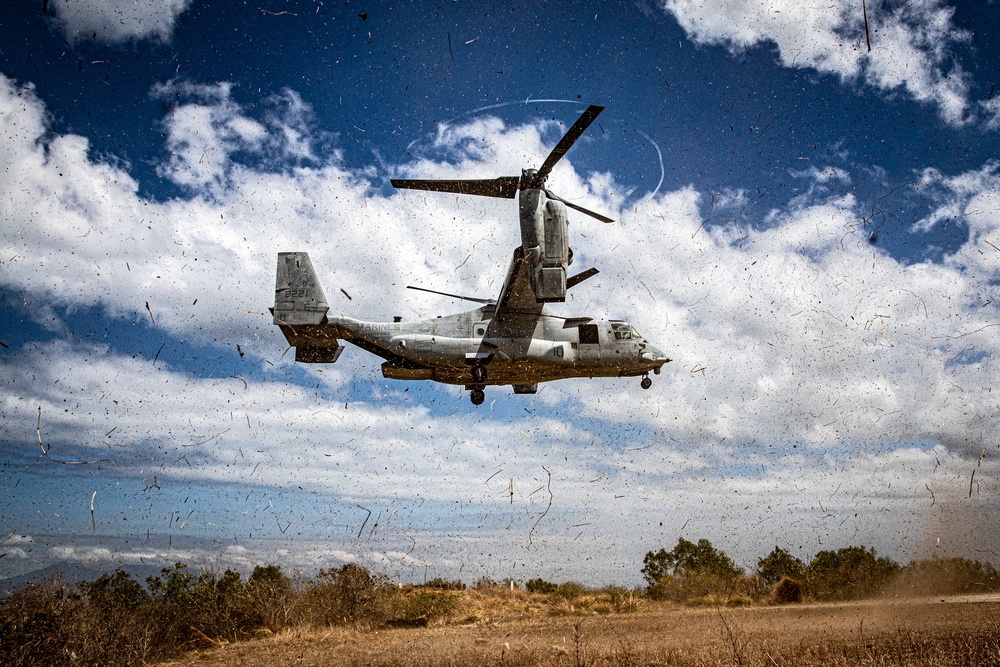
column 646, row 383
column 478, row 374
column 477, row 396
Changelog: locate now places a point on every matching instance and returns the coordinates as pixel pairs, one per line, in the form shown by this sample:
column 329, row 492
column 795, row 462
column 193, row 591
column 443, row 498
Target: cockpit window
column 625, row 331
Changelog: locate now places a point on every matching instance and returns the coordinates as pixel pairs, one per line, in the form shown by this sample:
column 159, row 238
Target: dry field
column 517, row 629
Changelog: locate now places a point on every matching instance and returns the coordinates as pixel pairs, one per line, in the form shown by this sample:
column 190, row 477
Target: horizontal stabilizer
column 298, row 296
column 318, row 355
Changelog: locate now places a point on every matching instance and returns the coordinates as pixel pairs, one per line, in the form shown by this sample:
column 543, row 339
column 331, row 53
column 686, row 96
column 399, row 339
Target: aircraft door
column 589, row 348
column 463, row 327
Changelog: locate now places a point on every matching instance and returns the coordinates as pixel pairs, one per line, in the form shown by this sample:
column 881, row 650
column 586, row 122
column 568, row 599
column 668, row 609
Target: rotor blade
column 453, row 296
column 575, row 207
column 504, row 187
column 573, row 281
column 579, row 127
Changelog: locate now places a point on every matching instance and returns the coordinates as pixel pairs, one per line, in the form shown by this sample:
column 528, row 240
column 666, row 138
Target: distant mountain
column 75, row 574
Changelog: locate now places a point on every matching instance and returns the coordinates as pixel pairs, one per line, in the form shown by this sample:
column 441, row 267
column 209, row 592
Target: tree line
column 698, row 571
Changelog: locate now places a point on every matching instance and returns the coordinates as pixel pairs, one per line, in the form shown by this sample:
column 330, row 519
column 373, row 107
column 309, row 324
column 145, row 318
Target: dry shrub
column 192, row 607
column 539, row 585
column 693, row 587
column 274, row 597
column 40, row 624
column 621, row 600
column 787, row 591
column 751, row 587
column 495, row 605
column 52, row 623
column 349, row 595
column 424, row 607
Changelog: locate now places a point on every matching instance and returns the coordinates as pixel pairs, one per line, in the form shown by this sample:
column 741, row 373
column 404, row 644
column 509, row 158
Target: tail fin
column 300, row 309
column 298, row 297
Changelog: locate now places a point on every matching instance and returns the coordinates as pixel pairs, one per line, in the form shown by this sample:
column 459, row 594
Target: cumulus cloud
column 991, row 109
column 118, row 20
column 803, row 330
column 911, row 42
column 208, row 134
column 809, row 366
column 10, row 549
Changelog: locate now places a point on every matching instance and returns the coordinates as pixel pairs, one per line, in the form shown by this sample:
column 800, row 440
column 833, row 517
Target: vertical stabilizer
column 298, row 297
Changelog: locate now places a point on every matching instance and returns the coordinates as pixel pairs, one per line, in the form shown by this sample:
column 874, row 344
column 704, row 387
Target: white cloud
column 991, row 109
column 118, row 20
column 10, row 549
column 801, row 350
column 804, row 331
column 910, row 43
column 207, row 134
column 973, row 199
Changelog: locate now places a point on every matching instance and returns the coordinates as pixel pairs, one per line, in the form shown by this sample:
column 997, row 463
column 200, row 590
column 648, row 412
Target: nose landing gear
column 477, row 396
column 646, row 382
column 478, row 373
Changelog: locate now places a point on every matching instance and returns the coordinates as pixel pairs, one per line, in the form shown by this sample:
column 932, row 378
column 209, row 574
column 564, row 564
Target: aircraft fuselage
column 445, row 348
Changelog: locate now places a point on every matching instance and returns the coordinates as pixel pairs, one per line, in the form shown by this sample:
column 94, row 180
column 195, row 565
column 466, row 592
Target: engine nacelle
column 545, row 239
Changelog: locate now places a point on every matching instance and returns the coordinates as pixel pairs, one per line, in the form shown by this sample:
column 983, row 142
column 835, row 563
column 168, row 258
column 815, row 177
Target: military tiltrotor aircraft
column 511, row 340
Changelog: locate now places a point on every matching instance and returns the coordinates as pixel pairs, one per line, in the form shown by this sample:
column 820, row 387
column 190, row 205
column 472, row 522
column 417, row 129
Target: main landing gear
column 646, row 382
column 477, row 396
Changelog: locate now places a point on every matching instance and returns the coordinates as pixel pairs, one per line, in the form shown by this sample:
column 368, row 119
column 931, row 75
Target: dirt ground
column 718, row 635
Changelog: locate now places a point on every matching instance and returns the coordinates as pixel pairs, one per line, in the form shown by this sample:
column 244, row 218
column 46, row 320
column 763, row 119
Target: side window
column 588, row 334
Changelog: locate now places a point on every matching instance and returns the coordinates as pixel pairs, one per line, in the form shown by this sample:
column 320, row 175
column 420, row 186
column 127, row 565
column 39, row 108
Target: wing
column 517, row 310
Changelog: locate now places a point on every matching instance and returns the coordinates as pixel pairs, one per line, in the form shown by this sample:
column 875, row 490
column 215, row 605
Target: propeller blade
column 504, row 187
column 575, row 207
column 579, row 127
column 573, row 281
column 453, row 296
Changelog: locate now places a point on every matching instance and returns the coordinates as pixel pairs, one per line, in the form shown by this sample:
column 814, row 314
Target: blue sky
column 810, row 229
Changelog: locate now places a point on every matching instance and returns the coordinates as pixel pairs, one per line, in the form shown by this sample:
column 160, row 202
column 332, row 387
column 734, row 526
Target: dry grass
column 514, row 628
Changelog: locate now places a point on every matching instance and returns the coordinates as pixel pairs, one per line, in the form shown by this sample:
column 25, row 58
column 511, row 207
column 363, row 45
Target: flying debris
column 511, row 340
